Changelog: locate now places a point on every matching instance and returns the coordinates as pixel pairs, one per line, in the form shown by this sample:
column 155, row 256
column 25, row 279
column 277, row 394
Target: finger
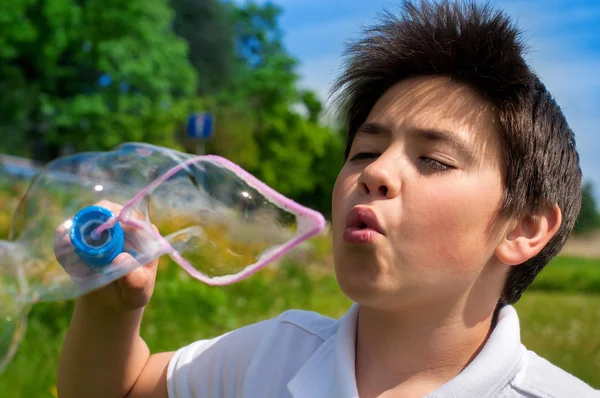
column 65, row 254
column 116, row 209
column 63, row 247
column 59, row 236
column 113, row 207
column 152, row 265
column 138, row 278
column 61, row 229
column 75, row 267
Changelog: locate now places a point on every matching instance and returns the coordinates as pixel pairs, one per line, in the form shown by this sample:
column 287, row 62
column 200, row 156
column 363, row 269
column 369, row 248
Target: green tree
column 208, row 28
column 325, row 169
column 589, row 218
column 89, row 75
column 16, row 95
column 272, row 126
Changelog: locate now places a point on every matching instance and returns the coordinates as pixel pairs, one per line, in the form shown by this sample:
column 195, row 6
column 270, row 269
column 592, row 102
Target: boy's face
column 415, row 203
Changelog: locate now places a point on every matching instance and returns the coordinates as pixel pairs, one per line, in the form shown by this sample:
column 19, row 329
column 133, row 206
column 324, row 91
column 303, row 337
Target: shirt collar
column 330, row 371
column 496, row 364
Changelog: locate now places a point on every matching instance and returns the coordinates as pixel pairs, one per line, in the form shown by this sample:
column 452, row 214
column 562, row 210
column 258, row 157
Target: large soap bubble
column 214, row 219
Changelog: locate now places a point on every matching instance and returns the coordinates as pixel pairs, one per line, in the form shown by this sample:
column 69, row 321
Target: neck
column 414, row 350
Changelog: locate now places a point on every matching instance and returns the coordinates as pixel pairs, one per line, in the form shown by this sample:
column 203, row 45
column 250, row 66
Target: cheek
column 341, row 191
column 456, row 223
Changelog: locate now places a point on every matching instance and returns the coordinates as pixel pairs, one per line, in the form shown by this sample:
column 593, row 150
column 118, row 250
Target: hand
column 130, row 292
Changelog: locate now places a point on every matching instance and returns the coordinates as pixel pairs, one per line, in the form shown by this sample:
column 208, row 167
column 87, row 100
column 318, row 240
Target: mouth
column 362, row 226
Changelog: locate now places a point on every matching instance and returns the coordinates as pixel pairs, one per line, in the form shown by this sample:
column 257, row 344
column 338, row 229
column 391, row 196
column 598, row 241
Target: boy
column 461, row 182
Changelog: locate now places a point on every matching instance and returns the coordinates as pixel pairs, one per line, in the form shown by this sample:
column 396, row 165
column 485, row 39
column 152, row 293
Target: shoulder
column 308, row 322
column 227, row 363
column 541, row 379
column 296, row 324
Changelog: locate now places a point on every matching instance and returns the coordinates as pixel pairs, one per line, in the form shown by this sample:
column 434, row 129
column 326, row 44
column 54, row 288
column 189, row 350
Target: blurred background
column 249, row 81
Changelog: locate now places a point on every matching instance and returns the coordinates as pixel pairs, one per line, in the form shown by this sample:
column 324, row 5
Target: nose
column 378, row 179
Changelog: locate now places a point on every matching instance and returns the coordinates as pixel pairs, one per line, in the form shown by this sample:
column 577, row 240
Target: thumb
column 137, row 280
column 140, row 281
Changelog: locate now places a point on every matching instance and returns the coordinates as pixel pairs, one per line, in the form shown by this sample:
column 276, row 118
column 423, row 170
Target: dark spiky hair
column 479, row 46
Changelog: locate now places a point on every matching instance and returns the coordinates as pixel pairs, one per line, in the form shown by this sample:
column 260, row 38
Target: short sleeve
column 215, row 367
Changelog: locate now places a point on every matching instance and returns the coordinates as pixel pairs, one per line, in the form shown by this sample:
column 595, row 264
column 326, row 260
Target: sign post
column 200, row 127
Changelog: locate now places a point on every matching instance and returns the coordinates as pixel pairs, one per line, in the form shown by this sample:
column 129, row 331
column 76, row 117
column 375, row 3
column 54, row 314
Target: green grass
column 570, row 274
column 562, row 327
column 182, row 310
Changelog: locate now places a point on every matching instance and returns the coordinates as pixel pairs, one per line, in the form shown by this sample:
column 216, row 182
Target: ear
column 527, row 237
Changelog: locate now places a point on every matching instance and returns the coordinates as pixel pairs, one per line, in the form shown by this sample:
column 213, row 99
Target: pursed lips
column 362, row 225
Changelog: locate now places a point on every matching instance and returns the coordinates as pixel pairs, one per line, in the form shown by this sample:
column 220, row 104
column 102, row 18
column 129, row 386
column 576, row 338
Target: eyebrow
column 447, row 138
column 373, row 129
column 429, row 134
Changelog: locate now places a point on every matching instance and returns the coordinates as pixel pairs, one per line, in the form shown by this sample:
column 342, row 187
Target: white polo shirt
column 306, row 355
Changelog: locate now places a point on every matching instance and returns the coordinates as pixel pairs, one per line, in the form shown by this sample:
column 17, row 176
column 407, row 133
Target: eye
column 434, row 164
column 364, row 155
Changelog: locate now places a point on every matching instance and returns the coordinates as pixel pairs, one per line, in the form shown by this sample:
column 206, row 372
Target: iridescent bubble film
column 82, row 212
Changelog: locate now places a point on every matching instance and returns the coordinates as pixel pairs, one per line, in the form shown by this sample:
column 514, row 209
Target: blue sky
column 563, row 38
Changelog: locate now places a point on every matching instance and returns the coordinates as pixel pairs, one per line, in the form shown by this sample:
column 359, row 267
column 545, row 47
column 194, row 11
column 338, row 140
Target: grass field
column 570, row 274
column 557, row 325
column 563, row 328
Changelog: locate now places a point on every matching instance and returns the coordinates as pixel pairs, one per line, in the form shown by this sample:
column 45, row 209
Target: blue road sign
column 200, row 125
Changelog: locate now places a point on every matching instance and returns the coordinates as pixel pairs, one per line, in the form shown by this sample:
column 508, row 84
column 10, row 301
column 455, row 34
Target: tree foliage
column 208, row 28
column 287, row 145
column 85, row 75
column 589, row 218
column 91, row 74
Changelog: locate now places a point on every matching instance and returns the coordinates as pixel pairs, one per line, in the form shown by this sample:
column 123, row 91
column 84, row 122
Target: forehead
column 438, row 103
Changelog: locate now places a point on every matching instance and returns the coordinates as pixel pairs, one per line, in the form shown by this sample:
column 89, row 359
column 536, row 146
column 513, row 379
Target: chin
column 368, row 296
column 362, row 283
